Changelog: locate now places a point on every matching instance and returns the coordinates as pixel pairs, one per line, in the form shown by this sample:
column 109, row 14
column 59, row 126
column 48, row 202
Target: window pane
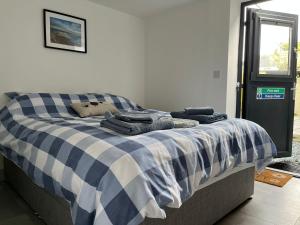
column 275, row 50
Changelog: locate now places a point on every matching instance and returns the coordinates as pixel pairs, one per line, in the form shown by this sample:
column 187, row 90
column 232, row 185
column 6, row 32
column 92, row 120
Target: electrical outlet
column 216, row 74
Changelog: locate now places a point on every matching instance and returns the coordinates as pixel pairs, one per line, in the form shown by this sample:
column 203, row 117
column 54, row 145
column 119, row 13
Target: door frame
column 240, row 84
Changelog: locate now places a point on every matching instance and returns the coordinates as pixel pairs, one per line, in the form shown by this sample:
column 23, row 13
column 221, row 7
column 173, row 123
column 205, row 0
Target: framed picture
column 65, row 32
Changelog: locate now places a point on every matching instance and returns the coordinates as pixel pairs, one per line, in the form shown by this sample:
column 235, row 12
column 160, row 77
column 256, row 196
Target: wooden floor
column 270, row 206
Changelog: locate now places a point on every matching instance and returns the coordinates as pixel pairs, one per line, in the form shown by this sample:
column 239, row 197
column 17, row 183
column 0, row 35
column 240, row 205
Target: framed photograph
column 65, row 32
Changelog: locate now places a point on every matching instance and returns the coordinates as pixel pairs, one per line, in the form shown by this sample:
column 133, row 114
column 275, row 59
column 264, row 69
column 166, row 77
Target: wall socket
column 216, row 74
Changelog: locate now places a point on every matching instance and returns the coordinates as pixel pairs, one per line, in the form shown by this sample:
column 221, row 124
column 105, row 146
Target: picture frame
column 64, row 32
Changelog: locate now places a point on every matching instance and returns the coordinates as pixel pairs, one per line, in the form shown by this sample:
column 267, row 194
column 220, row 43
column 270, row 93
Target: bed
column 88, row 175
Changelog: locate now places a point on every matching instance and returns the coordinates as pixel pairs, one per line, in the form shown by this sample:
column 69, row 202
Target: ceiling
column 142, row 8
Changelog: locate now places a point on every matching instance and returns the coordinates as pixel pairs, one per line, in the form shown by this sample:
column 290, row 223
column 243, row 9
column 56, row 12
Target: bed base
column 1, row 175
column 212, row 202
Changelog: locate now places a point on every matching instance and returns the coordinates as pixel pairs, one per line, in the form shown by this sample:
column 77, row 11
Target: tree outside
column 280, row 57
column 279, row 60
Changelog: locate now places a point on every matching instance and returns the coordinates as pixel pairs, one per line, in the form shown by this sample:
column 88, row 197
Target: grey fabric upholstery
column 53, row 210
column 213, row 201
column 1, row 175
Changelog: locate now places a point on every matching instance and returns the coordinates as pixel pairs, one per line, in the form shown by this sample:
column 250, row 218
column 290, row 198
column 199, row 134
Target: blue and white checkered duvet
column 112, row 179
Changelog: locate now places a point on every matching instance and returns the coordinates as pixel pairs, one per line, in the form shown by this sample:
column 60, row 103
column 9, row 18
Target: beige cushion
column 86, row 109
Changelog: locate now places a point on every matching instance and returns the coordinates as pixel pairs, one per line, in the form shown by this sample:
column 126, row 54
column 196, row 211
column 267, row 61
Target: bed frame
column 212, row 202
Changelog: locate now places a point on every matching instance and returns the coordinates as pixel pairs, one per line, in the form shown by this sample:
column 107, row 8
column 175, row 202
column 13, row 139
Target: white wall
column 185, row 47
column 114, row 62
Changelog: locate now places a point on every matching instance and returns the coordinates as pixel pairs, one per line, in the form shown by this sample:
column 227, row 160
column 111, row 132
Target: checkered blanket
column 111, row 179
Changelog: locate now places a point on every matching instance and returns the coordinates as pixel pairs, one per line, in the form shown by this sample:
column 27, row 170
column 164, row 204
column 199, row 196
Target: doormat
column 274, row 178
column 288, row 165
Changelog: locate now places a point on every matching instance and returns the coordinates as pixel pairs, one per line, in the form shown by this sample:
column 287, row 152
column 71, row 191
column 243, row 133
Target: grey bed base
column 213, row 201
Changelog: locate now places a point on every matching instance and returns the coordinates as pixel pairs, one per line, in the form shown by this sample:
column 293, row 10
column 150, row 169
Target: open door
column 270, row 74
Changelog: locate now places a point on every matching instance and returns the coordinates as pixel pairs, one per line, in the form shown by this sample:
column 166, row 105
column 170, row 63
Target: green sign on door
column 266, row 93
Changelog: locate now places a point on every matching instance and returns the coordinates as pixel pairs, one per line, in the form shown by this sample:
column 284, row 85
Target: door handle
column 295, row 50
column 238, row 86
column 293, row 90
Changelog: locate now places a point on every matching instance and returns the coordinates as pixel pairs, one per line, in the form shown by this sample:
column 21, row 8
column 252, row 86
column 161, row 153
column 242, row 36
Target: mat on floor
column 287, row 165
column 274, row 178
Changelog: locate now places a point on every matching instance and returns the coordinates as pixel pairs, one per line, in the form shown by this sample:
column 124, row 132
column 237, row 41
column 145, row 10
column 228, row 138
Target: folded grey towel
column 127, row 128
column 179, row 114
column 203, row 119
column 199, row 111
column 137, row 117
